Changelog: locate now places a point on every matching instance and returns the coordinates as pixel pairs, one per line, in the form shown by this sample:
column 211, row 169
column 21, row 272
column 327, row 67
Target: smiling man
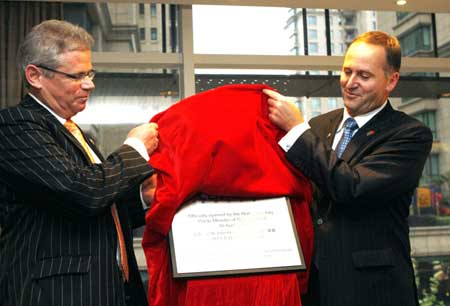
column 365, row 161
column 66, row 213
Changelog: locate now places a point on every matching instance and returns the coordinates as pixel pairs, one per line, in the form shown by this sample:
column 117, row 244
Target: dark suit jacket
column 362, row 243
column 58, row 241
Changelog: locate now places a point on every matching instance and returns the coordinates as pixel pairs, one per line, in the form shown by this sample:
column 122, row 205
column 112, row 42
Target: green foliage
column 429, row 296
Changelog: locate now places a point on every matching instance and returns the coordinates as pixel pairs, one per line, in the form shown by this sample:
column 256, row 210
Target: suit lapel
column 89, row 141
column 94, row 147
column 369, row 132
column 30, row 103
column 332, row 127
column 74, row 141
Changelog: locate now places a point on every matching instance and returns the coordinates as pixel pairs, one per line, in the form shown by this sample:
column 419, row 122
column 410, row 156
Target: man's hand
column 282, row 112
column 148, row 134
column 148, row 188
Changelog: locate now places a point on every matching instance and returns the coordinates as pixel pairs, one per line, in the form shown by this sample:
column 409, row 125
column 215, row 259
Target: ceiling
column 432, row 6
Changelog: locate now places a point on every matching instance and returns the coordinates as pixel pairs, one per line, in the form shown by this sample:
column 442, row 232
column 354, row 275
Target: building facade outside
column 344, row 26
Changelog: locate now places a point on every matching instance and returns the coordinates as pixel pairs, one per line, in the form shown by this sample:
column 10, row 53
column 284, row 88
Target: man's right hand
column 148, row 134
column 282, row 111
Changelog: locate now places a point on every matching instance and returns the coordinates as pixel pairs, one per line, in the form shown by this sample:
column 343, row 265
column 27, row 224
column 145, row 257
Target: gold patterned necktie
column 76, row 132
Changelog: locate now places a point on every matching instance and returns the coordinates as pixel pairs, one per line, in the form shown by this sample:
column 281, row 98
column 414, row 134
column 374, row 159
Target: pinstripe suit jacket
column 362, row 243
column 58, row 240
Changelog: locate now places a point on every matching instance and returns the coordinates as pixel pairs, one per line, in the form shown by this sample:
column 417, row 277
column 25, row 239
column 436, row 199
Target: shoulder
column 404, row 118
column 405, row 127
column 26, row 111
column 404, row 121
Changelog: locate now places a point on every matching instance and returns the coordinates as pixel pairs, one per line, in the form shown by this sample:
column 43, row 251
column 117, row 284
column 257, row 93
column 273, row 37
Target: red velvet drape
column 220, row 142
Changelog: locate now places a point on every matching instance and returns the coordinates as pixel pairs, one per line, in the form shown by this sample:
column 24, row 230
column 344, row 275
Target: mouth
column 350, row 94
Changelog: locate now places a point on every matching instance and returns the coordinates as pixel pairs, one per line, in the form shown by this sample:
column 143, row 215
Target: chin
column 352, row 108
column 81, row 108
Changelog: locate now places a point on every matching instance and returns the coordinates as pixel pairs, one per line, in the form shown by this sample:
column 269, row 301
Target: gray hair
column 44, row 44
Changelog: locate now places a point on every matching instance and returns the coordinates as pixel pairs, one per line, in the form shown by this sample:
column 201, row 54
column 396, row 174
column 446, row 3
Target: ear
column 33, row 75
column 393, row 80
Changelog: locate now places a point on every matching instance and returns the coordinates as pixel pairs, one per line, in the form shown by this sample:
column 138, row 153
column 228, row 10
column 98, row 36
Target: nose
column 350, row 81
column 87, row 83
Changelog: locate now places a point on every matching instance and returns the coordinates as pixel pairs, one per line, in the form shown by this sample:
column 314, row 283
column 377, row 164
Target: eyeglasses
column 77, row 77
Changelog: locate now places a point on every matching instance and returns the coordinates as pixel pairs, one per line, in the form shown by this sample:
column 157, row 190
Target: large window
column 141, row 9
column 312, row 34
column 142, row 34
column 431, row 169
column 313, row 48
column 315, row 104
column 429, row 119
column 332, row 103
column 401, row 15
column 153, row 10
column 415, row 41
column 153, row 33
column 312, row 20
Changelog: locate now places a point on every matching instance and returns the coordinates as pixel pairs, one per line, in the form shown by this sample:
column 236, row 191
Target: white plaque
column 221, row 237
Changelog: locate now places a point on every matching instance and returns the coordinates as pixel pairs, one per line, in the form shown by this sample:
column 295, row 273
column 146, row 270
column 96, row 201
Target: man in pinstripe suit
column 58, row 240
column 364, row 189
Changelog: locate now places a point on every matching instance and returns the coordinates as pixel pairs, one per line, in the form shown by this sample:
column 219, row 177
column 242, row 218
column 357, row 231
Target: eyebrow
column 358, row 71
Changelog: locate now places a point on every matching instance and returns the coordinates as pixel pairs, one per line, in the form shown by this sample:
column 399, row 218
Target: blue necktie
column 350, row 126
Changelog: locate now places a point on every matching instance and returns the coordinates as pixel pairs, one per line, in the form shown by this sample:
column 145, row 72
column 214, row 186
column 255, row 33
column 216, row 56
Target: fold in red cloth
column 221, row 142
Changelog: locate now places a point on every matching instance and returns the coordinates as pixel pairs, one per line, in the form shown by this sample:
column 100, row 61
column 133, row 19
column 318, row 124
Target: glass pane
column 124, row 101
column 313, row 48
column 125, row 27
column 153, row 10
column 312, row 34
column 241, row 30
column 154, row 34
column 332, row 103
column 312, row 20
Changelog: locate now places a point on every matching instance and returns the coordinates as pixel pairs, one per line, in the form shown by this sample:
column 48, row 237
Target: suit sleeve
column 135, row 209
column 40, row 163
column 390, row 166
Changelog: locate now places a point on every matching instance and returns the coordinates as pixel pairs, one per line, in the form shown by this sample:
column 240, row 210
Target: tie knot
column 71, row 126
column 74, row 130
column 350, row 124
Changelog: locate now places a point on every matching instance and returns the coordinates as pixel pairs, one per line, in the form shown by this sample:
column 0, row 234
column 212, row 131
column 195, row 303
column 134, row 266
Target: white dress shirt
column 291, row 137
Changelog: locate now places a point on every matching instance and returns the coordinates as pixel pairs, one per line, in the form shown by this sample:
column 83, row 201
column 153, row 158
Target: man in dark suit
column 66, row 213
column 364, row 189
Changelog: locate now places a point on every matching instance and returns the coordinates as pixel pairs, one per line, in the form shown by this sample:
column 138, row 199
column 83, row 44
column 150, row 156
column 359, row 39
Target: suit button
column 319, row 221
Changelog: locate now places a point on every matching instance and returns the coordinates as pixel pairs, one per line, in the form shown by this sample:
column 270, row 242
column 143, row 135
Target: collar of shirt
column 60, row 119
column 361, row 119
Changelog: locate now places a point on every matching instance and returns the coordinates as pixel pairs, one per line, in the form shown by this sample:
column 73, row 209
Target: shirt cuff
column 144, row 205
column 291, row 137
column 139, row 146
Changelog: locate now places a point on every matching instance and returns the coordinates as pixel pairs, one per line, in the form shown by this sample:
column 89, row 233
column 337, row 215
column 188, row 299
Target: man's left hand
column 148, row 189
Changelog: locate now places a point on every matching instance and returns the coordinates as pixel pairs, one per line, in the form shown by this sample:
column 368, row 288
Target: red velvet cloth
column 220, row 142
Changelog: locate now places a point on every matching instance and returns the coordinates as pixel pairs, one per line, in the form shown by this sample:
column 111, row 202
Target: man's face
column 66, row 96
column 365, row 84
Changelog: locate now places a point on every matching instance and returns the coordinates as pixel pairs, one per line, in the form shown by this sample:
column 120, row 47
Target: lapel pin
column 370, row 133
